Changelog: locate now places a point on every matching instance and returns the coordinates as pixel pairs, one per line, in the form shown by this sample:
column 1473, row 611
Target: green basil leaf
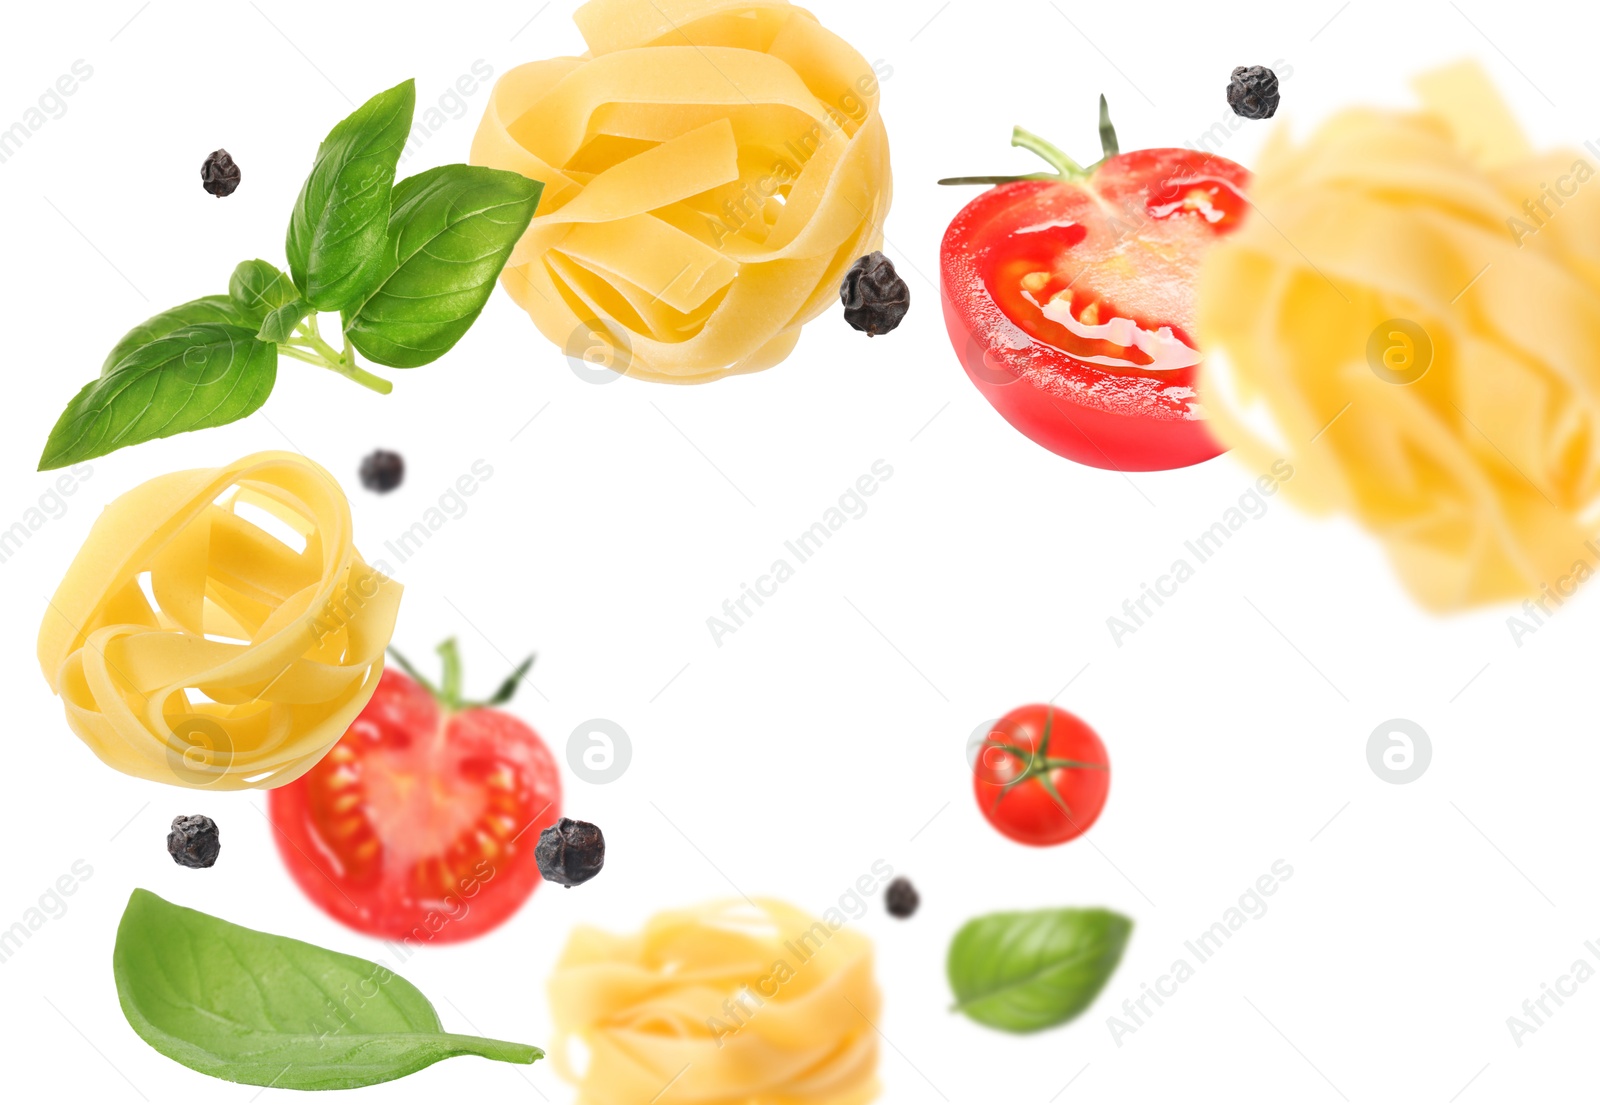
column 266, row 1010
column 337, row 233
column 258, row 287
column 1022, row 972
column 190, row 379
column 453, row 228
column 280, row 322
column 212, row 308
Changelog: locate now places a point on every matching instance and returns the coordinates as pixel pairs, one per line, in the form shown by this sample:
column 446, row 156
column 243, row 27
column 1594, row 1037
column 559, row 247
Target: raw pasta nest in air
column 711, row 169
column 253, row 657
column 1416, row 311
column 731, row 1003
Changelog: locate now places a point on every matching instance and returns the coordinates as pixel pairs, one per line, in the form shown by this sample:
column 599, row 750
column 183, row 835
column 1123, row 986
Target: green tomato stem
column 1055, row 155
column 997, row 179
column 1108, row 133
column 447, row 692
column 1065, row 167
column 450, row 684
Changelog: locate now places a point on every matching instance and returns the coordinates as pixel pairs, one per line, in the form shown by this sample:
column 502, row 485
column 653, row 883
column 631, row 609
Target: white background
column 829, row 731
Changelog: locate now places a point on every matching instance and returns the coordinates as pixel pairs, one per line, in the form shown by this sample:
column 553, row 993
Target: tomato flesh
column 1072, row 304
column 420, row 824
column 1041, row 776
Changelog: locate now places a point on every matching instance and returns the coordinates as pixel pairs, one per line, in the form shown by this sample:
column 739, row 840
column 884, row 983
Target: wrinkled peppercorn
column 901, row 899
column 219, row 175
column 875, row 298
column 1253, row 92
column 193, row 841
column 382, row 470
column 570, row 852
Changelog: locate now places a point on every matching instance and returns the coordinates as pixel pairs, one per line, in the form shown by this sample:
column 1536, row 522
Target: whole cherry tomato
column 1041, row 776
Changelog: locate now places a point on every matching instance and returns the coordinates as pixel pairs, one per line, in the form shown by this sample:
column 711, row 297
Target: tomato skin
column 420, row 825
column 1027, row 812
column 1107, row 417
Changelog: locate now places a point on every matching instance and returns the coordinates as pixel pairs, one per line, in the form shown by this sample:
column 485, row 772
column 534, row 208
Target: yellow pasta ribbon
column 1481, row 474
column 253, row 658
column 711, row 169
column 731, row 1003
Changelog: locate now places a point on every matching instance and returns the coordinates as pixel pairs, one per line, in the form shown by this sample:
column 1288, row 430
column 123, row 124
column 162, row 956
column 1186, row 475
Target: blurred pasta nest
column 1415, row 311
column 711, row 169
column 190, row 644
column 729, row 1003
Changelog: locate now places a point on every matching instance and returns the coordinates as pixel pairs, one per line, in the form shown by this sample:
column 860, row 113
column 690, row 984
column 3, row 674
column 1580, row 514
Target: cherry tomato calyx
column 1042, row 776
column 1040, row 766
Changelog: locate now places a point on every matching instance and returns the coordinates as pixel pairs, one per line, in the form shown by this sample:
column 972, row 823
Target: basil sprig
column 266, row 1010
column 1023, row 972
column 408, row 266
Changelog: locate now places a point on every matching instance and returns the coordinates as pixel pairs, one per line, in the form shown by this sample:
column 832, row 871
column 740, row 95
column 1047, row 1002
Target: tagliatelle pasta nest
column 248, row 658
column 1416, row 311
column 711, row 170
column 731, row 1003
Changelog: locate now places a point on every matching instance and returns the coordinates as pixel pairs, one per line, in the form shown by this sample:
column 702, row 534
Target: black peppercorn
column 193, row 841
column 219, row 175
column 382, row 470
column 875, row 298
column 901, row 899
column 1253, row 92
column 570, row 852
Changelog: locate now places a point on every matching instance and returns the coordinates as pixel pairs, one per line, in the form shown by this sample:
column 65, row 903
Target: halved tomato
column 421, row 822
column 1070, row 298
